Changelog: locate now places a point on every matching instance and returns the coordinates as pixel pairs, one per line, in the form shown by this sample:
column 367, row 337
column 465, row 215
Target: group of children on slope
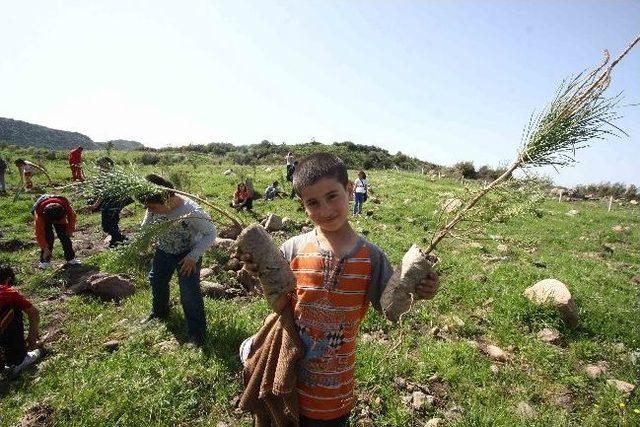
column 338, row 274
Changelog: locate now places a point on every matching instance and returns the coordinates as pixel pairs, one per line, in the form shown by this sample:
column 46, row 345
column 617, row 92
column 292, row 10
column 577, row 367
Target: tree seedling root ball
column 399, row 292
column 274, row 271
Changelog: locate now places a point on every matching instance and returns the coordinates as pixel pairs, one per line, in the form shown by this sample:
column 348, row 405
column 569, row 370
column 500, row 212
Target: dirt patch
column 73, row 275
column 39, row 415
column 13, row 245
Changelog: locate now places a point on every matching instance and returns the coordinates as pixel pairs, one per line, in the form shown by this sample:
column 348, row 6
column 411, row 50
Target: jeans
column 359, row 200
column 12, row 340
column 61, row 231
column 162, row 268
column 110, row 221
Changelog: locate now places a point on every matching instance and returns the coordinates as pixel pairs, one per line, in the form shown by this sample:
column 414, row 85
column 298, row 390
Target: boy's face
column 326, row 203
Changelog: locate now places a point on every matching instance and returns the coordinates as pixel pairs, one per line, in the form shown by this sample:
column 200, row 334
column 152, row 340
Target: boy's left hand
column 187, row 266
column 427, row 287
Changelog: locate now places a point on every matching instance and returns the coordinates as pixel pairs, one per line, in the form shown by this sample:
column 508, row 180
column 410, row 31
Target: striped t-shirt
column 332, row 296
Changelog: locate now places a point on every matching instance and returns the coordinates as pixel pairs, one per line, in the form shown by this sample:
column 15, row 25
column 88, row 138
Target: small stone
column 633, row 202
column 273, row 223
column 451, row 205
column 572, row 212
column 525, row 410
column 494, row 368
column 225, row 245
column 618, row 228
column 622, row 386
column 206, row 272
column 434, row 422
column 111, row 346
column 227, row 172
column 288, row 223
column 306, row 229
column 556, row 293
column 480, row 278
column 502, row 248
column 549, row 335
column 213, row 289
column 234, row 264
column 454, row 412
column 420, row 400
column 493, row 351
column 434, row 377
column 406, row 399
column 595, row 371
column 400, row 382
column 608, row 248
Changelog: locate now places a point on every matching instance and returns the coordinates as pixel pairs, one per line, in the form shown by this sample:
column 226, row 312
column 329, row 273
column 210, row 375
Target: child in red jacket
column 49, row 213
column 12, row 341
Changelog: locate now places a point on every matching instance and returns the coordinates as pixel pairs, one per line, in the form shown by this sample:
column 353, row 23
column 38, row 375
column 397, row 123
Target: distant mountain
column 23, row 134
column 121, row 144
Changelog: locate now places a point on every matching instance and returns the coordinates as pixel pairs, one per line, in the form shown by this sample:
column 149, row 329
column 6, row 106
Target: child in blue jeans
column 180, row 248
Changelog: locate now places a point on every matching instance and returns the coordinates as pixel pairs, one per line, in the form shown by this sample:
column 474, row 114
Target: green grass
column 153, row 380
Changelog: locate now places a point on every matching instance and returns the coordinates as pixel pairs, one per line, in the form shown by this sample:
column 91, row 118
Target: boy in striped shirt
column 338, row 273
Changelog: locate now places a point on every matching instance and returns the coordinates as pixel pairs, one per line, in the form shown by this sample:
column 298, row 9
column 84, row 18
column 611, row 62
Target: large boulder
column 109, row 287
column 273, row 223
column 554, row 292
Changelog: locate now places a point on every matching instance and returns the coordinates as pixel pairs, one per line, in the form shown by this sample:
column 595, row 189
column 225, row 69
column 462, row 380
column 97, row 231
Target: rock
column 230, row 232
column 572, row 212
column 502, row 248
column 227, row 172
column 454, row 413
column 434, row 422
column 451, row 205
column 549, row 335
column 107, row 287
column 494, row 368
column 273, row 223
column 608, row 248
column 633, row 201
column 420, row 400
column 248, row 281
column 111, row 346
column 375, row 200
column 595, row 371
column 622, row 386
column 525, row 410
column 13, row 245
column 39, row 415
column 206, row 272
column 224, row 244
column 406, row 399
column 406, row 201
column 213, row 290
column 481, row 278
column 493, row 351
column 400, row 382
column 618, row 228
column 234, row 264
column 636, row 279
column 552, row 291
column 168, row 345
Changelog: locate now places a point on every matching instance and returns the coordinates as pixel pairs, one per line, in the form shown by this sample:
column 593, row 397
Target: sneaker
column 43, row 265
column 74, row 261
column 28, row 360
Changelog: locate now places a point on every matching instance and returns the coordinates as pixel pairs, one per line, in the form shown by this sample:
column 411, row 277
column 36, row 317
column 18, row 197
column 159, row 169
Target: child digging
column 110, row 209
column 54, row 213
column 26, row 169
column 12, row 341
column 338, row 273
column 178, row 248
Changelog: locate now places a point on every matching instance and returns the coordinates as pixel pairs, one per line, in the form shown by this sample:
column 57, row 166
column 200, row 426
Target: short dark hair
column 314, row 167
column 160, row 196
column 275, row 183
column 7, row 275
column 54, row 212
column 364, row 175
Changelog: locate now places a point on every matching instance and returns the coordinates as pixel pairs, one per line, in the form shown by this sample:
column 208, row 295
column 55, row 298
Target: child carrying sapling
column 338, row 273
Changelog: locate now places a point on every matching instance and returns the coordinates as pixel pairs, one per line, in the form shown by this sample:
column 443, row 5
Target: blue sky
column 445, row 81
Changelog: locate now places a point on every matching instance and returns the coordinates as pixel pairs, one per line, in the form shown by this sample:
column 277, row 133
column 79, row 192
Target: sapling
column 578, row 114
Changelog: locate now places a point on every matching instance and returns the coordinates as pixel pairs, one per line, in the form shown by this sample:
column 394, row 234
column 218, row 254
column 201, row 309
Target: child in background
column 26, row 169
column 178, row 248
column 49, row 213
column 242, row 198
column 338, row 274
column 3, row 169
column 75, row 163
column 272, row 191
column 359, row 192
column 12, row 341
column 110, row 209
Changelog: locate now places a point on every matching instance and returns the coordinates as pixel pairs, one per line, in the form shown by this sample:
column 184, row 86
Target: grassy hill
column 154, row 380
